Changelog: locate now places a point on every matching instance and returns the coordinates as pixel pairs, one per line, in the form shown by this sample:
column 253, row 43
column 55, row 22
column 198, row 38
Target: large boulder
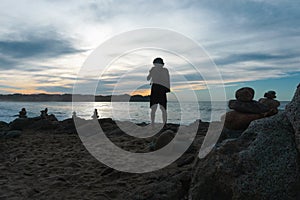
column 67, row 126
column 252, row 107
column 4, row 126
column 245, row 110
column 44, row 124
column 51, row 117
column 234, row 120
column 20, row 123
column 270, row 103
column 13, row 134
column 293, row 114
column 261, row 164
column 244, row 94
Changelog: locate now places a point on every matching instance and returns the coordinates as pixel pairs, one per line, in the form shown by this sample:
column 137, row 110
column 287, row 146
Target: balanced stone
column 245, row 94
column 269, row 100
column 234, row 120
column 252, row 107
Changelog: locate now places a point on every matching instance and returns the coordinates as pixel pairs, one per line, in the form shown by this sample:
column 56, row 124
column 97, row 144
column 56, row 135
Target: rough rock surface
column 244, row 94
column 252, row 107
column 292, row 112
column 239, row 121
column 261, row 164
column 13, row 134
column 44, row 124
column 20, row 123
column 270, row 103
column 4, row 126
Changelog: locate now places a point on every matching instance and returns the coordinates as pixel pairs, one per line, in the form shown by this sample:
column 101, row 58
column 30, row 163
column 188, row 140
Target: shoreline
column 63, row 110
column 46, row 159
column 50, row 161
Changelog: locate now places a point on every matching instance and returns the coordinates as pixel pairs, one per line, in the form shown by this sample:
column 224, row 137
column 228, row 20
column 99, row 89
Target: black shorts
column 158, row 95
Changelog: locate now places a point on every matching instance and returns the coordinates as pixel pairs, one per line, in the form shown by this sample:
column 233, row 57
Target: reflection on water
column 184, row 112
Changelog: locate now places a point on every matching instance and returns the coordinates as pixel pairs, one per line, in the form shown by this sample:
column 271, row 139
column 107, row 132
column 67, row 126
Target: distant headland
column 69, row 97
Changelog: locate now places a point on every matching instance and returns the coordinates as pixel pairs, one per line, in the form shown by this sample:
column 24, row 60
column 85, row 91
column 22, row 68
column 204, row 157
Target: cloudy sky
column 44, row 44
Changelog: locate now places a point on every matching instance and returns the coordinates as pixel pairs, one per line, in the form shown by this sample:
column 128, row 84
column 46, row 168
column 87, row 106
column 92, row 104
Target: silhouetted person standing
column 160, row 80
column 95, row 114
column 74, row 115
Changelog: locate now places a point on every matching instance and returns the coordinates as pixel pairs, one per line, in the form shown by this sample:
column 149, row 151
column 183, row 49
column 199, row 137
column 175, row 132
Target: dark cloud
column 233, row 26
column 146, row 86
column 236, row 58
column 35, row 47
column 255, row 14
column 193, row 77
column 6, row 63
column 58, row 89
column 88, row 86
column 262, row 68
column 10, row 87
column 36, row 68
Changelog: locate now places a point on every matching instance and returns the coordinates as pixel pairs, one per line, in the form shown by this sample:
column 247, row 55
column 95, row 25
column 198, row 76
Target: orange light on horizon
column 28, row 91
column 143, row 92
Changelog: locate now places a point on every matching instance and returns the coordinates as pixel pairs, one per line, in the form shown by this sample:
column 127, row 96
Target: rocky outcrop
column 292, row 112
column 20, row 123
column 3, row 125
column 261, row 164
column 44, row 124
column 35, row 123
column 13, row 134
column 5, row 131
column 252, row 107
column 245, row 110
column 270, row 103
column 239, row 121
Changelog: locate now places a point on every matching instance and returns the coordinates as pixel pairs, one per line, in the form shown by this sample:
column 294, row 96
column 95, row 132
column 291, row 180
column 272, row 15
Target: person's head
column 158, row 62
column 270, row 94
column 23, row 109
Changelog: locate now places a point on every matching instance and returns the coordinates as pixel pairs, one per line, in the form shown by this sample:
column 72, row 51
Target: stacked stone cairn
column 244, row 111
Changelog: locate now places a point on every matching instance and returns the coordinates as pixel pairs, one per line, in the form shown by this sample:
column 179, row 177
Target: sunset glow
column 254, row 45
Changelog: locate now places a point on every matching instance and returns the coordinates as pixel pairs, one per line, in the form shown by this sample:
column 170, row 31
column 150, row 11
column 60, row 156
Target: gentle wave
column 180, row 113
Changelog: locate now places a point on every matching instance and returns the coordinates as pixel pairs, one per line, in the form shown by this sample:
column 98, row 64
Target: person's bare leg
column 153, row 110
column 164, row 114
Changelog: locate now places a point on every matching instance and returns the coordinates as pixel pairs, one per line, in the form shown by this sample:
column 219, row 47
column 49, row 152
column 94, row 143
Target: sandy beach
column 52, row 164
column 44, row 158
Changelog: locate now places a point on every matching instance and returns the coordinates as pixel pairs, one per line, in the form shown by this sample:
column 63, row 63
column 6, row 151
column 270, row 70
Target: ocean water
column 180, row 113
